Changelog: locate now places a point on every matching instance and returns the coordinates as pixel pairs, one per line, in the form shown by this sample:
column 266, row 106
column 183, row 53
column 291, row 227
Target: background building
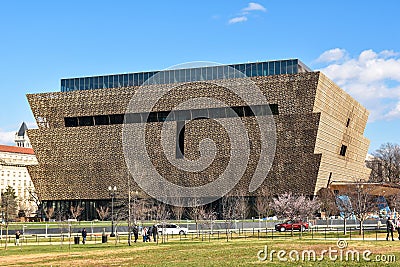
column 319, row 130
column 13, row 171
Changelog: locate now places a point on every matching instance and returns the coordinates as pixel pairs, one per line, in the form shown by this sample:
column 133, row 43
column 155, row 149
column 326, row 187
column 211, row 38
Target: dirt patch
column 81, row 258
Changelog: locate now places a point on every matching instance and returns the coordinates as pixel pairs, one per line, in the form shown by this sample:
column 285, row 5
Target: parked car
column 171, row 229
column 291, row 224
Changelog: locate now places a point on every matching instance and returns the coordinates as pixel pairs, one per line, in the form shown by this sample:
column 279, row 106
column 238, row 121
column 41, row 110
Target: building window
column 343, row 150
column 348, row 122
column 180, row 137
column 173, row 115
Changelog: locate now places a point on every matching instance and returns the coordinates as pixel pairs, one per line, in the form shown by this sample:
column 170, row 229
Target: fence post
column 325, row 233
column 350, row 233
column 363, row 232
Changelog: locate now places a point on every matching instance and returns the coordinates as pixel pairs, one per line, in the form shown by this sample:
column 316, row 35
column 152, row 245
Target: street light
column 112, row 191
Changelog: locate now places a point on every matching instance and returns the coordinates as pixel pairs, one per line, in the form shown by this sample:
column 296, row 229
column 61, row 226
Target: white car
column 171, row 229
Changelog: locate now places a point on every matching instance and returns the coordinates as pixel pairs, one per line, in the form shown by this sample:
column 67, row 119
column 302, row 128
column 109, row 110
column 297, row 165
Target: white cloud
column 6, row 138
column 237, row 20
column 332, row 55
column 245, row 12
column 254, row 7
column 372, row 78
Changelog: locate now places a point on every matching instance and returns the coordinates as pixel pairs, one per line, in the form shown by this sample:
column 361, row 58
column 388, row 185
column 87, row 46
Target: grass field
column 236, row 252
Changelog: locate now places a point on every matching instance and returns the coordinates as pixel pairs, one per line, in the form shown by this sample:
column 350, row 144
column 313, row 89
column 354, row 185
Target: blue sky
column 356, row 43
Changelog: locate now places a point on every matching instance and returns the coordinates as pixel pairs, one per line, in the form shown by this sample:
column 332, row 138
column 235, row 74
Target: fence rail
column 315, row 232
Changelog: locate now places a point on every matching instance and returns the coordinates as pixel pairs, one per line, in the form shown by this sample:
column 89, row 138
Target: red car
column 288, row 225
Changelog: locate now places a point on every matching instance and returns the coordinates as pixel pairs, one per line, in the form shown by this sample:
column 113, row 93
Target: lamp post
column 112, row 191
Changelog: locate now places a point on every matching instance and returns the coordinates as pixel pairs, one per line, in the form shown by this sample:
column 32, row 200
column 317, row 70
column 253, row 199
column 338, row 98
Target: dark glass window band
column 173, row 115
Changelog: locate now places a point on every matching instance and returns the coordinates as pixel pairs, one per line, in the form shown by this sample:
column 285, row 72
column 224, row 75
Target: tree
column 103, row 212
column 387, row 163
column 76, row 211
column 263, row 201
column 242, row 208
column 293, row 207
column 393, row 202
column 328, row 203
column 196, row 213
column 345, row 209
column 178, row 208
column 229, row 211
column 49, row 211
column 9, row 207
column 362, row 201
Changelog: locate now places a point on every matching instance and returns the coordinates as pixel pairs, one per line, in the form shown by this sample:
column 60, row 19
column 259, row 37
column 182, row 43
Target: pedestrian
column 144, row 234
column 155, row 232
column 135, row 233
column 398, row 226
column 84, row 234
column 149, row 233
column 17, row 235
column 389, row 228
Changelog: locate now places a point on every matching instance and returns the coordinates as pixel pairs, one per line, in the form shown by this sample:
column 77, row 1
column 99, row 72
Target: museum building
column 79, row 141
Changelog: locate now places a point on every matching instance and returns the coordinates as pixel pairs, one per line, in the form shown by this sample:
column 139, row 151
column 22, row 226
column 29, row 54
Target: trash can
column 104, row 239
column 76, row 240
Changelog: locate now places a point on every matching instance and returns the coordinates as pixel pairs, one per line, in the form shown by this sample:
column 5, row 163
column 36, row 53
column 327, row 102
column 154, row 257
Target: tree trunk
column 6, row 235
column 361, row 227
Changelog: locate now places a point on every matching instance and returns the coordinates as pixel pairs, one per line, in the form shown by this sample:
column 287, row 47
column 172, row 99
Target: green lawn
column 236, row 252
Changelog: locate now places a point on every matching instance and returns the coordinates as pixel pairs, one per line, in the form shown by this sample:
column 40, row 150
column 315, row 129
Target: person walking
column 389, row 228
column 155, row 232
column 84, row 234
column 17, row 235
column 144, row 234
column 398, row 227
column 135, row 233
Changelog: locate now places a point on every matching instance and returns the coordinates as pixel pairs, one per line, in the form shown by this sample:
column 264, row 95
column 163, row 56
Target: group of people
column 147, row 233
column 391, row 226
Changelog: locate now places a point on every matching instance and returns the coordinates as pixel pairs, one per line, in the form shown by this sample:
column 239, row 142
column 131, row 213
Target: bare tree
column 197, row 212
column 76, row 211
column 387, row 158
column 103, row 212
column 393, row 202
column 229, row 211
column 25, row 208
column 178, row 208
column 263, row 201
column 242, row 208
column 363, row 203
column 9, row 207
column 345, row 209
column 49, row 211
column 328, row 203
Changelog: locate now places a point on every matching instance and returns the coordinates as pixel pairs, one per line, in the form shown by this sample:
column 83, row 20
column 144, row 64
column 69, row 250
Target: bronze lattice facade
column 319, row 130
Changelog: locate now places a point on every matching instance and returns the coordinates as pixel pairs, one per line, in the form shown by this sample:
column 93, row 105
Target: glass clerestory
column 290, row 66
